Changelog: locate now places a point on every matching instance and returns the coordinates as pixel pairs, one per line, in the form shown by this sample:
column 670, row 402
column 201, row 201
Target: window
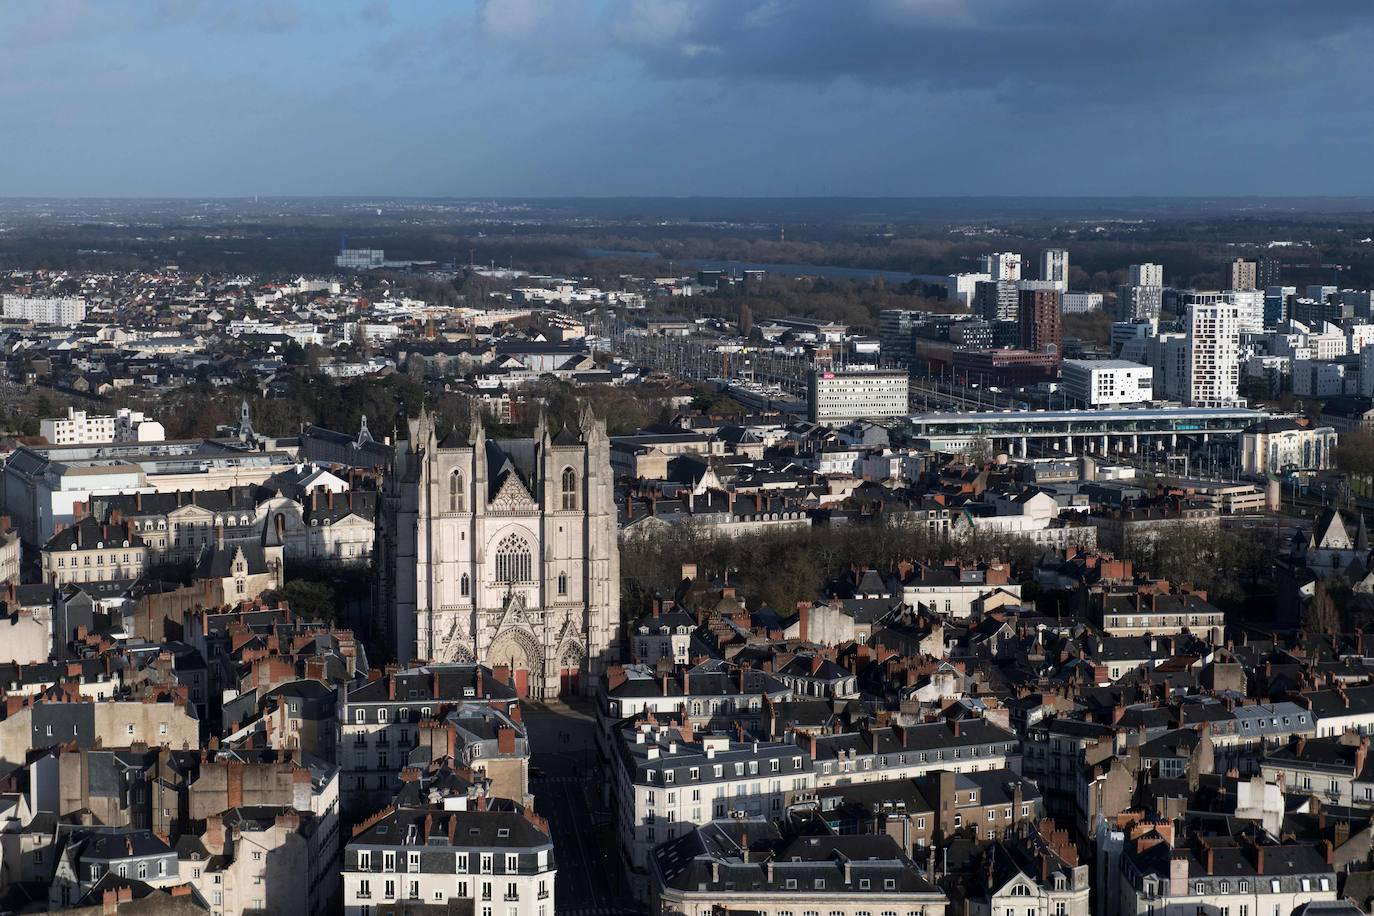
column 562, row 583
column 513, row 560
column 569, row 489
column 457, row 501
column 464, row 586
column 364, row 860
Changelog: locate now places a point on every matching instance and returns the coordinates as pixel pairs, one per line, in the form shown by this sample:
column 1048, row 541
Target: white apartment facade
column 1213, row 335
column 498, row 863
column 58, row 310
column 80, row 428
column 1146, row 275
column 1001, row 265
column 961, row 287
column 1054, row 267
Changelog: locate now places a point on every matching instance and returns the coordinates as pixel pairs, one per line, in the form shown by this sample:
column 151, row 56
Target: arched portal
column 570, row 657
column 518, row 652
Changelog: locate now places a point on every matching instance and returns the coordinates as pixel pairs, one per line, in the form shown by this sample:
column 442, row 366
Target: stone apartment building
column 87, row 551
column 493, row 862
column 665, row 780
column 380, row 721
column 753, row 866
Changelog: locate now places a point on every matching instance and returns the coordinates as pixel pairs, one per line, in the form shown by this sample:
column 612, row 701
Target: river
column 830, row 271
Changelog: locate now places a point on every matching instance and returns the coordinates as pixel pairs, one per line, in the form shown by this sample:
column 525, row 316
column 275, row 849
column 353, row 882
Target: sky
column 510, row 98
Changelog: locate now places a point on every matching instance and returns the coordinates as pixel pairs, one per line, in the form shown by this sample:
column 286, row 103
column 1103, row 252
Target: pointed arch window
column 569, row 488
column 464, row 586
column 457, row 501
column 562, row 583
column 513, row 563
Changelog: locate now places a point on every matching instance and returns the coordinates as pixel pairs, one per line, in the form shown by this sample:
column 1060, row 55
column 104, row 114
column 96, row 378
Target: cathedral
column 503, row 552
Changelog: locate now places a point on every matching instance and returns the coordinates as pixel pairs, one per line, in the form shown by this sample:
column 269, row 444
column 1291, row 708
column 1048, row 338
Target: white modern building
column 1001, row 265
column 961, row 287
column 80, row 428
column 1146, row 275
column 857, row 394
column 1054, row 267
column 1107, row 382
column 1251, row 305
column 63, row 310
column 1213, row 328
column 1078, row 303
column 1139, row 302
column 1315, row 379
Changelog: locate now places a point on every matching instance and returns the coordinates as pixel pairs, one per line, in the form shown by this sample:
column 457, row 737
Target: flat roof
column 1105, row 364
column 1064, row 416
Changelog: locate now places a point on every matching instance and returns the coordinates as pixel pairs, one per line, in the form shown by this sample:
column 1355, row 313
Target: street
column 563, row 755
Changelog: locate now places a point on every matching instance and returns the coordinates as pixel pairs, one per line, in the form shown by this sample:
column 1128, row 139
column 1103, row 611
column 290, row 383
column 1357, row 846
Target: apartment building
column 88, row 551
column 665, row 780
column 487, row 862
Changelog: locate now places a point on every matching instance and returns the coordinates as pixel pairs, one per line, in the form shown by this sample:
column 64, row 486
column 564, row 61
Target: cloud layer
column 883, row 97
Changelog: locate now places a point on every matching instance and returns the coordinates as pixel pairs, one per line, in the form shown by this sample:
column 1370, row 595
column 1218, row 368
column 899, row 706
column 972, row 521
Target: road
column 563, row 753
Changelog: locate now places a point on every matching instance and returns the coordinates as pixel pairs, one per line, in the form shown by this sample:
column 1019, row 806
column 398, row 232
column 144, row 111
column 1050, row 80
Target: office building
column 1080, row 303
column 896, row 329
column 1001, row 265
column 857, row 394
column 1002, row 368
column 1213, row 370
column 360, row 258
column 1054, row 267
column 1138, row 329
column 57, row 310
column 1039, row 321
column 961, row 287
column 996, row 300
column 1276, row 304
column 1359, row 301
column 1242, row 274
column 1107, row 382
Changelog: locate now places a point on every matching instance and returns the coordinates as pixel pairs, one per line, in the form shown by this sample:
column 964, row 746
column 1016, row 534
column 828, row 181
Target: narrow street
column 566, row 789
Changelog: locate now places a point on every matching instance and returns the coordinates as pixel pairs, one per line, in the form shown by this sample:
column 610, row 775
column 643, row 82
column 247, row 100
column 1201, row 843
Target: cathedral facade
column 502, row 552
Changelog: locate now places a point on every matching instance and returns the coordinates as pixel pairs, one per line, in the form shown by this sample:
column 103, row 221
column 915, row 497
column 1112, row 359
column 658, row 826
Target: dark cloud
column 1125, row 48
